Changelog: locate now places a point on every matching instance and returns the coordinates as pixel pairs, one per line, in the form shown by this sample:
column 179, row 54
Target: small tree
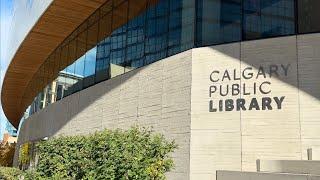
column 6, row 154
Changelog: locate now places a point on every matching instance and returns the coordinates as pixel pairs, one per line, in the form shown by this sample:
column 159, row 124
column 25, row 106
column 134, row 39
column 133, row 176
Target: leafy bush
column 10, row 173
column 7, row 173
column 132, row 154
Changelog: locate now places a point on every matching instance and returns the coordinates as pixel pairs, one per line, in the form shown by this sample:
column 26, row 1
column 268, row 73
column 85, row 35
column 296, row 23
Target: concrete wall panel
column 215, row 136
column 271, row 134
column 231, row 175
column 309, row 95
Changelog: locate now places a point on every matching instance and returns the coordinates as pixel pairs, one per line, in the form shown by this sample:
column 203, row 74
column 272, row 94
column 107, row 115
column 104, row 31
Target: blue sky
column 84, row 66
column 6, row 10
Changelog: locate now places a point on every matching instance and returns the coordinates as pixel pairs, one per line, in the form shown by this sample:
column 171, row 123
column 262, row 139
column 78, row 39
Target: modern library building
column 231, row 81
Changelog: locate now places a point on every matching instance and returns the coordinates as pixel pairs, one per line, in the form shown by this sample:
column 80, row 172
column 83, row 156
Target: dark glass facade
column 164, row 29
column 161, row 31
column 224, row 21
column 308, row 16
column 218, row 21
column 268, row 18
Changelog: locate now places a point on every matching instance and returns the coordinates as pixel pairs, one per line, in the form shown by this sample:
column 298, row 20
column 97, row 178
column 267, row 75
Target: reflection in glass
column 103, row 59
column 89, row 67
column 162, row 30
column 218, row 21
column 308, row 16
column 268, row 18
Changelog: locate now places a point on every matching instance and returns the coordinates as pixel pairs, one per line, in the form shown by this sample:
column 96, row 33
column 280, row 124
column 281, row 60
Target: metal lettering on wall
column 220, row 89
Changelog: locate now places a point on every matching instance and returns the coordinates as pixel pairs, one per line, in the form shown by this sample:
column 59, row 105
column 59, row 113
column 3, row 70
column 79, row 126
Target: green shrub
column 132, row 154
column 8, row 173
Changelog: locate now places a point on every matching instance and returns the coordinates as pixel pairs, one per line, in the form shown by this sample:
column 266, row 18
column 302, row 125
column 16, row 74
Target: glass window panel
column 134, row 54
column 26, row 96
column 106, row 8
column 51, row 63
column 29, row 94
column 42, row 76
column 105, row 26
column 175, row 5
column 152, row 3
column 61, row 80
column 45, row 97
column 79, row 73
column 90, row 60
column 82, row 27
column 93, row 18
column 308, row 16
column 81, row 44
column 135, row 43
column 72, row 51
column 41, row 86
column 103, row 60
column 218, row 21
column 118, row 38
column 57, row 57
column 69, row 79
column 79, row 66
column 157, row 27
column 117, row 59
column 174, row 37
column 64, row 59
column 120, row 15
column 89, row 67
column 181, row 26
column 47, row 70
column 59, row 92
column 73, row 35
column 119, row 2
column 265, row 18
column 92, row 35
column 136, row 8
column 35, row 83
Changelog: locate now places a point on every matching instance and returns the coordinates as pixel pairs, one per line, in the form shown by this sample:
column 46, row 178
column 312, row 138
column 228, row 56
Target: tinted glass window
column 218, row 21
column 162, row 30
column 268, row 18
column 308, row 16
column 103, row 60
column 59, row 92
column 89, row 67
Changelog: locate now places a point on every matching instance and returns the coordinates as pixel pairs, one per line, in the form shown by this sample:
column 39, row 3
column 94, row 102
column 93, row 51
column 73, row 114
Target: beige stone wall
column 235, row 140
column 309, row 94
column 273, row 134
column 215, row 137
column 157, row 96
column 232, row 175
